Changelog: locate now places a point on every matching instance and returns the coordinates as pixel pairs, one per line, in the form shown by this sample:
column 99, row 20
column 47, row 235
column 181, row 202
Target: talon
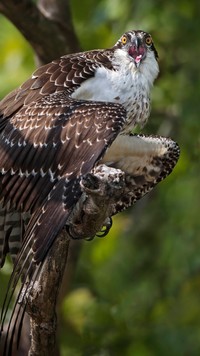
column 105, row 229
column 69, row 232
column 89, row 238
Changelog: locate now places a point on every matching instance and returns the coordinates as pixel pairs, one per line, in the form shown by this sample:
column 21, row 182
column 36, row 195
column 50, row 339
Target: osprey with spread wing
column 71, row 114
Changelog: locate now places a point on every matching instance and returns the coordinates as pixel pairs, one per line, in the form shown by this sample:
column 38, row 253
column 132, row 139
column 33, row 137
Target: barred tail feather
column 12, row 227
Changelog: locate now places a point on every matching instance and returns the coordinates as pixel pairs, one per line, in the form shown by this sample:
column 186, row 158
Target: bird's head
column 135, row 52
column 138, row 45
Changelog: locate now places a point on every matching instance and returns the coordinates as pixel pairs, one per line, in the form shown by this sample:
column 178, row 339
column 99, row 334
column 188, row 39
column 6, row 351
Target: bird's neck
column 141, row 76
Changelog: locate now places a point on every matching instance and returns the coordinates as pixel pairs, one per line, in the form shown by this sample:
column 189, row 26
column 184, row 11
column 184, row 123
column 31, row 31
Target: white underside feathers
column 132, row 153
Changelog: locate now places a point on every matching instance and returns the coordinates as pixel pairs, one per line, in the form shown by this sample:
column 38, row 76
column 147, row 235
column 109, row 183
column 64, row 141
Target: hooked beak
column 137, row 51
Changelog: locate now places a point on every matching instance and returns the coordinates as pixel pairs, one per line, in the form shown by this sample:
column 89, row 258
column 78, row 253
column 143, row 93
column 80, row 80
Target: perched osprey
column 70, row 115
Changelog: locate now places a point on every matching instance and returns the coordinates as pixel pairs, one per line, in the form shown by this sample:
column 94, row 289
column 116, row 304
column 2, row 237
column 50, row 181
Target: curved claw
column 105, row 229
column 89, row 238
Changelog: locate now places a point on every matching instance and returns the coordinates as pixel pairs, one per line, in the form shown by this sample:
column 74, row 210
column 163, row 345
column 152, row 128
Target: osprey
column 70, row 115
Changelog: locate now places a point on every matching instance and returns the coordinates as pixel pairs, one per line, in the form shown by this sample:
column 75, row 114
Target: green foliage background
column 137, row 292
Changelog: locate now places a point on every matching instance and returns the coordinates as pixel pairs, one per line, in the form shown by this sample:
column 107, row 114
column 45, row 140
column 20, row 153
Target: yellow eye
column 124, row 40
column 148, row 40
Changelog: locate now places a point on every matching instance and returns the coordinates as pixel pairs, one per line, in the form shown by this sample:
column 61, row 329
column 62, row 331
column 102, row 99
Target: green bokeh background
column 137, row 291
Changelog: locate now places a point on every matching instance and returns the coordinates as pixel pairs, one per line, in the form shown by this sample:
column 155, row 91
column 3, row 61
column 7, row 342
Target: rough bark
column 43, row 297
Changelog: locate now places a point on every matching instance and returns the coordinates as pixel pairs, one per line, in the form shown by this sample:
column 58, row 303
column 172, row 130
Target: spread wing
column 45, row 148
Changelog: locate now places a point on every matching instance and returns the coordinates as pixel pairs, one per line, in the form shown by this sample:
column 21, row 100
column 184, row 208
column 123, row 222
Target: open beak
column 137, row 51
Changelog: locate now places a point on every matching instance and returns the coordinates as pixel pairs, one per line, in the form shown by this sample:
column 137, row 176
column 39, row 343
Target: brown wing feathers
column 51, row 200
column 47, row 142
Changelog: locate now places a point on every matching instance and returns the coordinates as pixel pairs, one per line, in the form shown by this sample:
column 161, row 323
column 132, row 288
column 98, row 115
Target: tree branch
column 101, row 190
column 42, row 300
column 47, row 27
